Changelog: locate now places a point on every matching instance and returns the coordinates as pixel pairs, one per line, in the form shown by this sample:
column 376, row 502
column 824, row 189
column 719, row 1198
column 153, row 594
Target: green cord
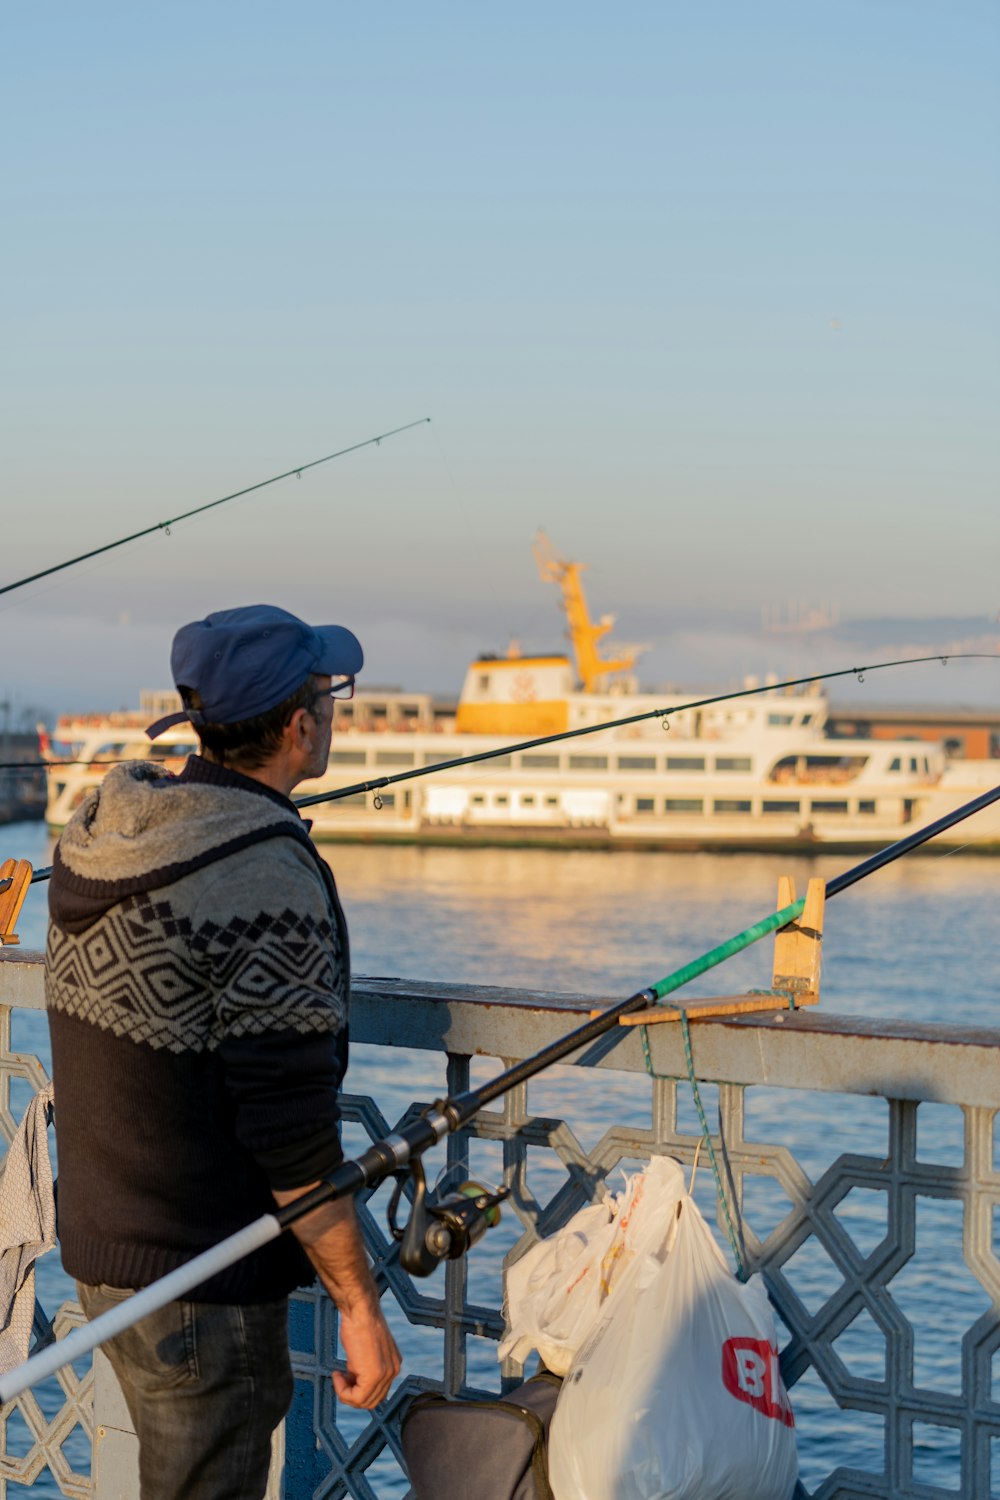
column 706, row 1133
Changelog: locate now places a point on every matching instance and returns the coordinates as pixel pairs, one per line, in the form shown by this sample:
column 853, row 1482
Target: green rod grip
column 726, row 950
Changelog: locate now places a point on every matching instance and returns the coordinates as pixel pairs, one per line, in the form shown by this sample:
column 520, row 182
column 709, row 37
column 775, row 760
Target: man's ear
column 299, row 731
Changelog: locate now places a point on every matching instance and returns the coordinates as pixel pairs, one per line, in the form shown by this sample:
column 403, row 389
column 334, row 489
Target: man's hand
column 372, row 1360
column 332, row 1240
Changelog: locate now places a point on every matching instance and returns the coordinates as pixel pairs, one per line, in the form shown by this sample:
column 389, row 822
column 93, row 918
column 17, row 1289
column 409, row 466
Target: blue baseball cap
column 245, row 661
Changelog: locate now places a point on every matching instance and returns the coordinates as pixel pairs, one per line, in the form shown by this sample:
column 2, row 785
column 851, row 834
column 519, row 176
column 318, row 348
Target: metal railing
column 837, row 1232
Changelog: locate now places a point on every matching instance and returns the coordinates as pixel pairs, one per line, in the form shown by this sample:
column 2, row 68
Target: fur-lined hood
column 140, row 830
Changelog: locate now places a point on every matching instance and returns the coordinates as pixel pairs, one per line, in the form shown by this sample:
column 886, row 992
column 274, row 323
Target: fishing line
column 993, row 826
column 404, row 1147
column 947, row 853
column 198, row 510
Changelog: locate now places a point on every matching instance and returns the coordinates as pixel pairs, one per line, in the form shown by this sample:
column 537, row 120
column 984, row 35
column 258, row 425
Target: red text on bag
column 751, row 1373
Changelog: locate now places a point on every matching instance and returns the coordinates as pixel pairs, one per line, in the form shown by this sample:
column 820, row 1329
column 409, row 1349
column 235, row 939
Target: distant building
column 22, row 792
column 967, row 733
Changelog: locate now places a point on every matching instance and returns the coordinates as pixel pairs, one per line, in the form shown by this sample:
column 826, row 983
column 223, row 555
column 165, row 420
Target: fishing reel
column 441, row 1228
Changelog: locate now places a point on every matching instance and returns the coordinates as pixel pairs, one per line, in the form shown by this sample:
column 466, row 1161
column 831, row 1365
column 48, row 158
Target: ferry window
column 843, row 767
column 501, row 799
column 866, row 808
column 782, row 719
column 731, row 805
column 954, row 746
column 407, row 799
column 431, row 757
column 478, row 801
column 914, row 765
column 500, row 761
column 684, row 805
column 356, row 799
column 829, row 807
column 895, row 764
column 528, row 800
column 165, row 752
column 388, row 799
column 552, row 802
column 807, row 718
column 484, row 682
column 685, row 763
column 637, row 762
column 394, row 757
column 348, row 758
column 769, row 806
column 645, row 804
column 540, row 762
column 588, row 762
column 732, row 763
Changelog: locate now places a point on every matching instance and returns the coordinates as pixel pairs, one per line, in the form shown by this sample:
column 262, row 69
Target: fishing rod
column 165, row 526
column 562, row 734
column 442, row 1228
column 44, row 765
column 654, row 713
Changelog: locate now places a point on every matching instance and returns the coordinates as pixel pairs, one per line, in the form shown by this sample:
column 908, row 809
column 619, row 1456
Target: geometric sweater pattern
column 130, row 974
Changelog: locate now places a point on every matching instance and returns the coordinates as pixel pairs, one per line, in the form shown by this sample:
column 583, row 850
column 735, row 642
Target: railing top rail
column 803, row 1050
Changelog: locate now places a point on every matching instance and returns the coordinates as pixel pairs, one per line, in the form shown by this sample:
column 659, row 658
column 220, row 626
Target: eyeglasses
column 340, row 687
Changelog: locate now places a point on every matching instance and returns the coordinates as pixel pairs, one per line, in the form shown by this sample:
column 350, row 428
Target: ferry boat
column 753, row 773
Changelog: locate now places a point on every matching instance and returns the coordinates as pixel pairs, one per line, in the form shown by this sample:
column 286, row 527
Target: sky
column 711, row 292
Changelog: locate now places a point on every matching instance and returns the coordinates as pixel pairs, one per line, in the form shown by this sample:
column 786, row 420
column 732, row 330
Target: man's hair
column 249, row 743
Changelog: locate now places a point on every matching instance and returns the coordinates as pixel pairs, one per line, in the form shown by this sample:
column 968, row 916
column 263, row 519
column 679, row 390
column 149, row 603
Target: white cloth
column 27, row 1227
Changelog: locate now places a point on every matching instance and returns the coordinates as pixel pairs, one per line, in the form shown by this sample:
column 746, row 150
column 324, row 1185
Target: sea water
column 916, row 941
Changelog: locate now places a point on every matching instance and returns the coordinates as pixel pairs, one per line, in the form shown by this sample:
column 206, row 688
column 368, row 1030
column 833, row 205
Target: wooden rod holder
column 15, row 877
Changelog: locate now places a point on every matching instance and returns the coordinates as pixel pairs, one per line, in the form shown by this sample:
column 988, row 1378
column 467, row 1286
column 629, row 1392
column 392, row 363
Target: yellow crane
column 592, row 669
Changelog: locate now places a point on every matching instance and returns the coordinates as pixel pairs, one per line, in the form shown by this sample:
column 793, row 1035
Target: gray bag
column 493, row 1450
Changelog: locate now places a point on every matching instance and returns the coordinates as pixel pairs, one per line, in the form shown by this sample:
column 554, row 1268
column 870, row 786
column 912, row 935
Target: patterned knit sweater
column 197, row 979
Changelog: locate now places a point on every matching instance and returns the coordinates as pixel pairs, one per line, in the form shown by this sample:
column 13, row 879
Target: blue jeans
column 205, row 1384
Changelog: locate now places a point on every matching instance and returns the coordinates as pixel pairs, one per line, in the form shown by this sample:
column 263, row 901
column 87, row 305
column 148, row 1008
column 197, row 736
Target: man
column 197, row 981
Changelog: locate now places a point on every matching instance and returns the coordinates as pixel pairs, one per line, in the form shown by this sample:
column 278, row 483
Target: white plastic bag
column 677, row 1394
column 556, row 1293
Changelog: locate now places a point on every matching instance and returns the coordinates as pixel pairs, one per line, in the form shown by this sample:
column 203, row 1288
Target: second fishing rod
column 509, row 748
column 662, row 713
